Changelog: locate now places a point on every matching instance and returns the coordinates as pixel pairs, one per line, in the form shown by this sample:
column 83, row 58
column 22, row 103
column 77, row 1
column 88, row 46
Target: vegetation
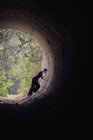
column 20, row 60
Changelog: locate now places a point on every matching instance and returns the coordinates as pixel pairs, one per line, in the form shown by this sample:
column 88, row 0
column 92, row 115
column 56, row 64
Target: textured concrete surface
column 59, row 29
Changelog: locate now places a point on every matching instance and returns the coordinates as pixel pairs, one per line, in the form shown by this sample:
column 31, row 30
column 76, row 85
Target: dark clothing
column 39, row 75
column 35, row 85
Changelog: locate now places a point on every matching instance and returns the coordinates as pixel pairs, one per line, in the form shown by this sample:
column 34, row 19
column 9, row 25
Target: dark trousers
column 35, row 86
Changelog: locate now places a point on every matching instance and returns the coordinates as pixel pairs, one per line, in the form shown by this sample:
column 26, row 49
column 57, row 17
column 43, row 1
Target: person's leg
column 37, row 86
column 30, row 92
column 32, row 88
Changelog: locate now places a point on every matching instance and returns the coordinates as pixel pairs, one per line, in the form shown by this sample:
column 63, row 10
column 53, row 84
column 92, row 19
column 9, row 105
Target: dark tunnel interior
column 58, row 26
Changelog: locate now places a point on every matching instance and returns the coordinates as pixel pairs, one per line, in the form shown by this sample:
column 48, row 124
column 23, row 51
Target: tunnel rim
column 14, row 20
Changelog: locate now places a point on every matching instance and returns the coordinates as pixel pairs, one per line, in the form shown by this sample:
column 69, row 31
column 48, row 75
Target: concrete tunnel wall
column 46, row 37
column 61, row 32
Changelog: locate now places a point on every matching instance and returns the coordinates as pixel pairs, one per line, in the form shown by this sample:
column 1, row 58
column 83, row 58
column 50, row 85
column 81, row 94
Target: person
column 35, row 81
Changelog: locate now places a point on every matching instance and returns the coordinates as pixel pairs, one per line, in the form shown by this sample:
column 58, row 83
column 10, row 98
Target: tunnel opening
column 45, row 61
column 20, row 60
column 61, row 31
column 48, row 45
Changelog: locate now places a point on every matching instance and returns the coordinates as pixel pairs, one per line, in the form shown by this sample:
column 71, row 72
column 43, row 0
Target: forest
column 20, row 59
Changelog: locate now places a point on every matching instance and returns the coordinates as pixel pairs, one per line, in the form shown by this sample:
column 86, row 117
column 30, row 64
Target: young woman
column 35, row 82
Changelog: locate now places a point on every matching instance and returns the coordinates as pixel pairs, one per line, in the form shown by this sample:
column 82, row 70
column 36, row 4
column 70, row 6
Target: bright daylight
column 20, row 59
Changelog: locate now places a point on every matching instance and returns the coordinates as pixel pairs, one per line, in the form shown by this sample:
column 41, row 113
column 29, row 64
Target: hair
column 45, row 69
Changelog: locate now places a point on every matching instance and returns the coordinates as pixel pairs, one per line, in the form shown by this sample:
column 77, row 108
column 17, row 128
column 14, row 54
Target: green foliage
column 4, row 84
column 18, row 64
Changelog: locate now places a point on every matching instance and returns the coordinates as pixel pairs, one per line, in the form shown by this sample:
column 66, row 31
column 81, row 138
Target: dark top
column 39, row 75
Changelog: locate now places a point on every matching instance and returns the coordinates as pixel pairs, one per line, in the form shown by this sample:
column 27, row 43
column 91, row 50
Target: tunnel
column 58, row 28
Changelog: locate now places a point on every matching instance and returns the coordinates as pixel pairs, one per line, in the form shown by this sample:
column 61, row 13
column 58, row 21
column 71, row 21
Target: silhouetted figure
column 35, row 82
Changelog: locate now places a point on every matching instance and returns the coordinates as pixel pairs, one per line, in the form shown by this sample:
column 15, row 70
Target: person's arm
column 42, row 77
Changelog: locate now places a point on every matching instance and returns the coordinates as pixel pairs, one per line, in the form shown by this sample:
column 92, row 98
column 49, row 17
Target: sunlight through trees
column 20, row 60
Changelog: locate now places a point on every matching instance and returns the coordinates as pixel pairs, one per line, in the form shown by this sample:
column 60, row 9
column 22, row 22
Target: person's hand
column 44, row 79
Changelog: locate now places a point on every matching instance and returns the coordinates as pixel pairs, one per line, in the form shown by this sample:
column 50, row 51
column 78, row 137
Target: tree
column 20, row 59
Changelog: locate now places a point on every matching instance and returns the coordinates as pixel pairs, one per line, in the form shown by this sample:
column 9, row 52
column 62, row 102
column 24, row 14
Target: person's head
column 45, row 70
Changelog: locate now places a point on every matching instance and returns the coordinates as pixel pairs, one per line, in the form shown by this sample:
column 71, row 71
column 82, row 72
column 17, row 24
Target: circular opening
column 20, row 59
column 44, row 37
column 23, row 53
